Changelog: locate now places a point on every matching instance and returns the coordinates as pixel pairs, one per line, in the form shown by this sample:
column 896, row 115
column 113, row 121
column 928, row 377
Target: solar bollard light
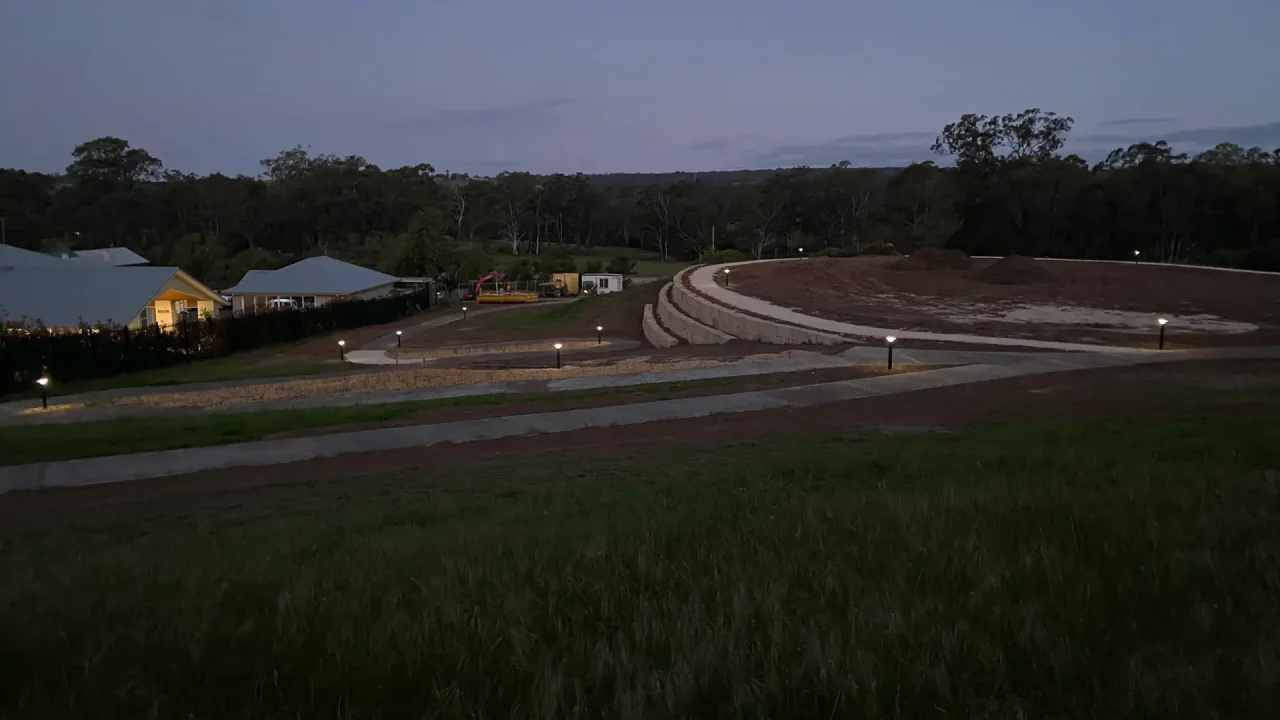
column 44, row 392
column 558, row 346
column 1163, row 322
column 342, row 354
column 599, row 334
column 398, row 334
column 726, row 277
column 888, row 341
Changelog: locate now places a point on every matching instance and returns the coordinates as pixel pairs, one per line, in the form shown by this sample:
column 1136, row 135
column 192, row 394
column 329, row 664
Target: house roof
column 11, row 256
column 69, row 294
column 313, row 276
column 79, row 293
column 117, row 256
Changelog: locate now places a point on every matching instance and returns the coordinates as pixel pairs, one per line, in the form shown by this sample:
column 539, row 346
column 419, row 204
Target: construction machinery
column 561, row 285
column 495, row 288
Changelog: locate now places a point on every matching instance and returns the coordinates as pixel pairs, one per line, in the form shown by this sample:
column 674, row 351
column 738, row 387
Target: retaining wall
column 741, row 325
column 654, row 333
column 685, row 327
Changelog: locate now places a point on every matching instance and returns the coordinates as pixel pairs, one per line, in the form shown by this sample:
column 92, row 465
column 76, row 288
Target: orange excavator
column 472, row 291
column 498, row 290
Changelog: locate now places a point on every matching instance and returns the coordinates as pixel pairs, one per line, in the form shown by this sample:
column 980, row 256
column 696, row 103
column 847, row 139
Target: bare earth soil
column 1189, row 389
column 1099, row 303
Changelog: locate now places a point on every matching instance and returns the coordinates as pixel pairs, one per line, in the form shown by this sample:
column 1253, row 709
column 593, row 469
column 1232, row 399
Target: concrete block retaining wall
column 741, row 325
column 654, row 333
column 685, row 327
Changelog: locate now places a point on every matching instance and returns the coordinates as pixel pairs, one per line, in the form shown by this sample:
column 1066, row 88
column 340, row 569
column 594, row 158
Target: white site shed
column 601, row 283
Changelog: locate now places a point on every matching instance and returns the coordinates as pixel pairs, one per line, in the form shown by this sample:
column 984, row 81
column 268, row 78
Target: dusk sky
column 483, row 86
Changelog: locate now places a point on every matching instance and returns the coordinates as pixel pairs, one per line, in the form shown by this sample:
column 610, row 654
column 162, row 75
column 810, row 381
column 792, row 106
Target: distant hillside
column 715, row 177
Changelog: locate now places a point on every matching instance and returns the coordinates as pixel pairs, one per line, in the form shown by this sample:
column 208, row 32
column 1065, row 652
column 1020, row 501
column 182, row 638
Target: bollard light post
column 558, row 346
column 599, row 334
column 464, row 312
column 888, row 341
column 342, row 353
column 726, row 277
column 398, row 334
column 44, row 392
column 1163, row 322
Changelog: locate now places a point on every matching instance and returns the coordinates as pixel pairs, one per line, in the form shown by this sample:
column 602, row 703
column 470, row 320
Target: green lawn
column 1112, row 570
column 217, row 370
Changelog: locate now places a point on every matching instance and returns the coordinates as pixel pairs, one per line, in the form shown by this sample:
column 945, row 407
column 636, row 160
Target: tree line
column 1010, row 190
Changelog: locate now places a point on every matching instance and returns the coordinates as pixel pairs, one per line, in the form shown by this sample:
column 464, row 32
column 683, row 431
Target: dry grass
column 406, row 379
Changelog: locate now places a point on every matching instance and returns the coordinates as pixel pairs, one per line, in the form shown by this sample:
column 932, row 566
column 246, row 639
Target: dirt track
column 865, row 290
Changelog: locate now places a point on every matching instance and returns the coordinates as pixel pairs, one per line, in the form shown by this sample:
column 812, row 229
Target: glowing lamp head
column 399, row 332
column 342, row 343
column 599, row 328
column 558, row 346
column 726, row 271
column 1163, row 321
column 43, row 382
column 890, row 339
column 1137, row 253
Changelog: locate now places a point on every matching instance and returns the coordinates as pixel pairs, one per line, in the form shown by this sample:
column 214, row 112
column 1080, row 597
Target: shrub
column 880, row 247
column 621, row 265
column 723, row 256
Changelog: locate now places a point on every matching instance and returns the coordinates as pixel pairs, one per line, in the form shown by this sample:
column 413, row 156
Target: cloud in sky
column 492, row 118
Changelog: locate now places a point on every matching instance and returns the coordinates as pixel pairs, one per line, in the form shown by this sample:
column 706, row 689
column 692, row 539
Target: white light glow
column 1163, row 321
column 890, row 338
column 341, row 343
column 558, row 346
column 43, row 382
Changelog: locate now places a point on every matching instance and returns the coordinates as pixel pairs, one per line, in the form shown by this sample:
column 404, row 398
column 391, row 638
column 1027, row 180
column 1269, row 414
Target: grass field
column 1093, row 570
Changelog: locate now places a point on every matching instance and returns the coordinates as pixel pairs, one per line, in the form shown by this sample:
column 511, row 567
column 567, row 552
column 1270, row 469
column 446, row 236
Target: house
column 113, row 256
column 601, row 283
column 309, row 283
column 65, row 293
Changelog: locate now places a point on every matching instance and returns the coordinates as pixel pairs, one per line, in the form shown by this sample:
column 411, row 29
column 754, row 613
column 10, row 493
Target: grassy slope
column 570, row 315
column 1099, row 570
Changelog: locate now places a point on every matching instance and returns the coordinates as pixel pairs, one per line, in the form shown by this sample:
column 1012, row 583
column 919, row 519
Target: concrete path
column 124, row 468
column 704, row 282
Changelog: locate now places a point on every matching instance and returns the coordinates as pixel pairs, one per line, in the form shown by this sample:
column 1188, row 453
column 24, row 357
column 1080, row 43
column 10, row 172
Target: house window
column 604, row 283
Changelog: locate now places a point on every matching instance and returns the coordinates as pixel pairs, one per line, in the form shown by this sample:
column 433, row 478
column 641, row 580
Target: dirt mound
column 1014, row 270
column 931, row 258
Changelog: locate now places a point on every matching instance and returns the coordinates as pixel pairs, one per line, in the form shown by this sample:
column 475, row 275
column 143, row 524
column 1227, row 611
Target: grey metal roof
column 313, row 276
column 72, row 293
column 117, row 256
column 11, row 256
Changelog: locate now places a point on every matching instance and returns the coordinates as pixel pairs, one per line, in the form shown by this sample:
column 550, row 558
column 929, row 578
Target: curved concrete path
column 703, row 280
column 990, row 366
